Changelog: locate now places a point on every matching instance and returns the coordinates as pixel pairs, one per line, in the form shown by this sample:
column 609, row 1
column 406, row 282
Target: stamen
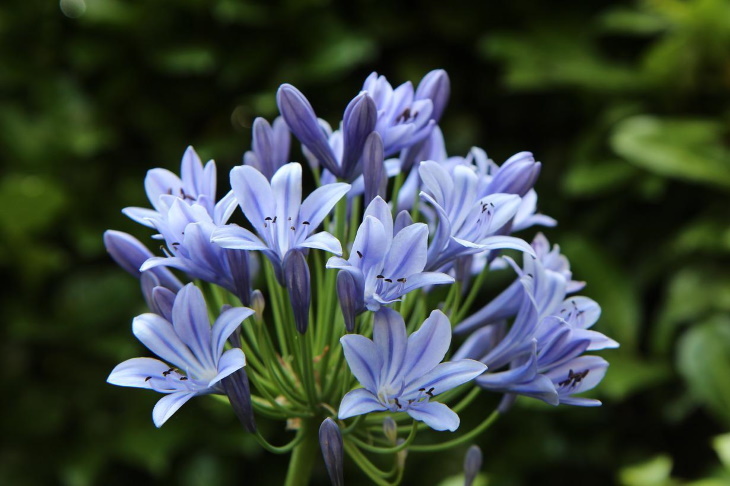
column 359, row 254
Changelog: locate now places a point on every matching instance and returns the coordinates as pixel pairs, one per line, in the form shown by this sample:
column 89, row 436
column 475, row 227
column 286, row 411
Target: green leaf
column 654, row 472
column 694, row 293
column 721, row 444
column 686, row 149
column 703, row 358
column 594, row 179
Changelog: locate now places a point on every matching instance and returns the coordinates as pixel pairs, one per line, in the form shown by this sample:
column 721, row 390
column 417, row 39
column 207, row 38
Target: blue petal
column 191, row 323
column 230, row 362
column 358, row 122
column 435, row 86
column 446, row 376
column 379, row 209
column 134, row 372
column 503, row 306
column 426, row 278
column 254, row 195
column 427, row 346
column 224, row 326
column 143, row 216
column 159, row 182
column 323, row 241
column 370, row 246
column 158, row 336
column 358, row 402
column 237, row 238
column 389, row 336
column 168, row 405
column 364, row 359
column 320, row 202
column 407, row 255
column 286, row 186
column 436, row 415
column 224, row 208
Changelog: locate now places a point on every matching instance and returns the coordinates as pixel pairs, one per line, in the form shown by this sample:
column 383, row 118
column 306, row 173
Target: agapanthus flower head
column 129, row 253
column 188, row 343
column 401, row 373
column 386, row 266
column 281, row 220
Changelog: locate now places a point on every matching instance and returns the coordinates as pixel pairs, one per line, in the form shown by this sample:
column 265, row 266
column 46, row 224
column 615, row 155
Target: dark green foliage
column 625, row 103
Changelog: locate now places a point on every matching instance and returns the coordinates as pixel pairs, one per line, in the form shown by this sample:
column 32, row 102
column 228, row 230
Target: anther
column 380, row 276
column 388, row 280
column 359, row 254
column 148, row 378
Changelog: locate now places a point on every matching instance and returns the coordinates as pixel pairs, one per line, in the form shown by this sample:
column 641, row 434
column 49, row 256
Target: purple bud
column 239, row 264
column 349, row 297
column 296, row 278
column 436, row 87
column 401, row 221
column 239, row 394
column 516, row 176
column 357, row 123
column 472, row 464
column 159, row 299
column 129, row 253
column 282, row 141
column 263, row 146
column 302, row 121
column 373, row 168
column 330, row 440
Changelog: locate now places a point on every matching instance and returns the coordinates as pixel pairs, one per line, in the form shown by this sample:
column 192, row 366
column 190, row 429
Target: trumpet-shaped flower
column 196, row 185
column 468, row 222
column 190, row 345
column 386, row 266
column 402, row 373
column 277, row 213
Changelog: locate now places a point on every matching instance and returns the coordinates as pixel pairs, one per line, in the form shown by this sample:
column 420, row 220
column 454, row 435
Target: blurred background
column 624, row 102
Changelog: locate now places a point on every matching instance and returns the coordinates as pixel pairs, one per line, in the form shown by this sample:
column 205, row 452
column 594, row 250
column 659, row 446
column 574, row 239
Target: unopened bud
column 296, row 277
column 358, row 123
column 239, row 394
column 472, row 464
column 330, row 440
column 349, row 298
column 373, row 167
column 401, row 456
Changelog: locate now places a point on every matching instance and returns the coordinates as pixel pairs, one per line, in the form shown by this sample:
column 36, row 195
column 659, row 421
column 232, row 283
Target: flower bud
column 349, row 298
column 296, row 278
column 373, row 168
column 358, row 122
column 435, row 86
column 330, row 440
column 129, row 253
column 302, row 121
column 239, row 263
column 516, row 176
column 472, row 464
column 239, row 394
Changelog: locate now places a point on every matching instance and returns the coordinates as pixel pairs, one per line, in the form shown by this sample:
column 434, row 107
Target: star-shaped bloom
column 190, row 345
column 402, row 373
column 387, row 266
column 196, row 185
column 281, row 220
column 468, row 222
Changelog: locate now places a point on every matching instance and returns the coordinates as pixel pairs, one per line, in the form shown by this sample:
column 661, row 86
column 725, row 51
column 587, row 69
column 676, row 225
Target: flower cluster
column 374, row 267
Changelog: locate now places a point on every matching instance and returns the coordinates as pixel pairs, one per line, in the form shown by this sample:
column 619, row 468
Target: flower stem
column 303, row 457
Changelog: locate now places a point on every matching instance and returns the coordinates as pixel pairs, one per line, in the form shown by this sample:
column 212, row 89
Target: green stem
column 302, row 459
column 459, row 440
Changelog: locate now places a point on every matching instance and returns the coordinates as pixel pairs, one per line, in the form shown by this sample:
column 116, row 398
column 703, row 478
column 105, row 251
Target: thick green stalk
column 303, row 457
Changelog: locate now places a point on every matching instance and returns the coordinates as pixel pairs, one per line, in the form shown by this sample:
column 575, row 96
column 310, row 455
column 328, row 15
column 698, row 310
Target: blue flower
column 406, row 117
column 402, row 373
column 190, row 345
column 187, row 229
column 277, row 213
column 469, row 222
column 197, row 185
column 387, row 266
